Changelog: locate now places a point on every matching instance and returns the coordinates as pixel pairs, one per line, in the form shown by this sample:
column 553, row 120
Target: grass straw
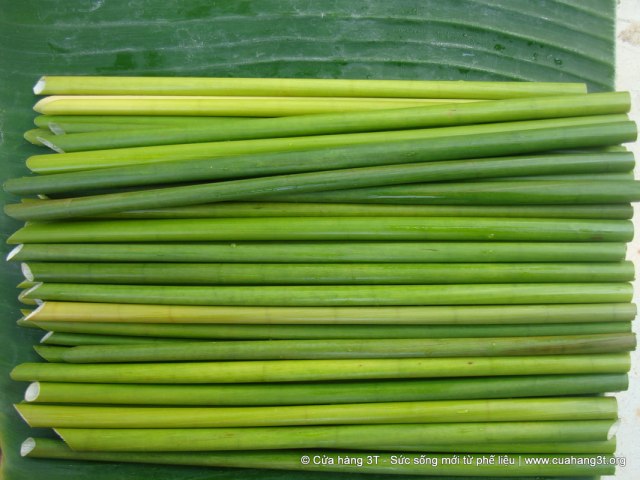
column 328, row 349
column 102, row 85
column 335, row 461
column 337, row 295
column 64, row 124
column 304, row 393
column 541, row 192
column 325, row 274
column 452, row 411
column 327, row 229
column 409, row 437
column 115, row 333
column 220, row 106
column 388, row 159
column 323, row 252
column 380, row 315
column 367, row 121
column 512, row 138
column 620, row 211
column 321, row 370
column 75, row 339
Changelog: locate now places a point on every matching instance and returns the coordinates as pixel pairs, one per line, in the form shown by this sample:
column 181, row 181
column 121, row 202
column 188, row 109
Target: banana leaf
column 550, row 40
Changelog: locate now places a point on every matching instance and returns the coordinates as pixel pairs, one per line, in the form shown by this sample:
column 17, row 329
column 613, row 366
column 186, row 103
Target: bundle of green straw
column 312, row 274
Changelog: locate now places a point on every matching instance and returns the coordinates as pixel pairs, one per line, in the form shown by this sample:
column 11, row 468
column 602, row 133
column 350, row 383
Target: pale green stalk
column 401, row 315
column 103, row 85
column 305, row 393
column 452, row 411
column 321, row 370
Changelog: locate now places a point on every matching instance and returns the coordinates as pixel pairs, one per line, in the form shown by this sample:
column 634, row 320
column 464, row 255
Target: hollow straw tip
column 45, row 337
column 40, row 85
column 26, row 272
column 613, row 430
column 56, row 128
column 27, row 447
column 26, row 293
column 48, row 143
column 14, row 252
column 32, row 392
column 34, row 312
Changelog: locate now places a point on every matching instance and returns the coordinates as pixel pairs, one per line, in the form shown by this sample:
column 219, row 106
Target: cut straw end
column 26, row 271
column 613, row 430
column 56, row 129
column 38, row 88
column 33, row 312
column 50, row 144
column 45, row 337
column 14, row 252
column 28, row 445
column 33, row 392
column 25, row 419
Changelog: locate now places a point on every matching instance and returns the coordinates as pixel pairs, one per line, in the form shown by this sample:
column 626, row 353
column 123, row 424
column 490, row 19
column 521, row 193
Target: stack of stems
column 371, row 280
column 369, row 121
column 456, row 411
column 436, row 464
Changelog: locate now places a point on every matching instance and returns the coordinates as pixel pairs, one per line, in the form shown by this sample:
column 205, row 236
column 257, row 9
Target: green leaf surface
column 546, row 40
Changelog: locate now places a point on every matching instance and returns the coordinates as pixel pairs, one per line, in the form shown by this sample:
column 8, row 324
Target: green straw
column 271, row 209
column 75, row 339
column 409, row 437
column 354, row 156
column 321, row 252
column 102, row 85
column 432, row 465
column 321, row 370
column 325, row 273
column 221, row 106
column 257, row 187
column 119, row 333
column 305, row 393
column 63, row 124
column 493, row 139
column 327, row 349
column 366, row 121
column 327, row 228
column 482, row 193
column 452, row 411
column 380, row 315
column 337, row 295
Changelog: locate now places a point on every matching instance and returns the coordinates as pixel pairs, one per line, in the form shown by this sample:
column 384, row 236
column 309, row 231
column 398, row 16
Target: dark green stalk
column 272, row 209
column 481, row 193
column 335, row 461
column 511, row 138
column 327, row 229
